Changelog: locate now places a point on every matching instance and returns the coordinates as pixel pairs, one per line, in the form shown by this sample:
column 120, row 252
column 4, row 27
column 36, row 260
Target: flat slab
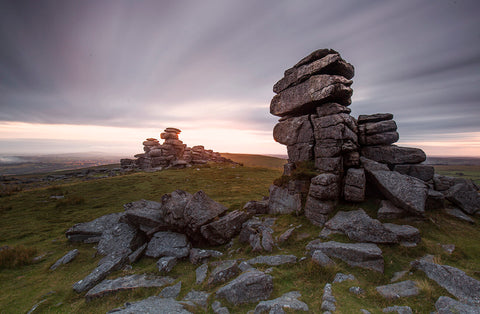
column 273, row 260
column 397, row 290
column 92, row 230
column 288, row 300
column 155, row 304
column 251, row 286
column 166, row 243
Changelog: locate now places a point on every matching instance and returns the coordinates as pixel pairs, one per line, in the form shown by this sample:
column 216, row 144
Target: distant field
column 462, row 171
column 250, row 160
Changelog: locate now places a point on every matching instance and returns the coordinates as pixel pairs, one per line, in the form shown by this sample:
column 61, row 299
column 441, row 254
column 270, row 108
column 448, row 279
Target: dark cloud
column 138, row 63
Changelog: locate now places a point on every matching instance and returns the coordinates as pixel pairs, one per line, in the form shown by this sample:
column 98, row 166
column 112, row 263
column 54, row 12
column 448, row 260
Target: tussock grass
column 11, row 257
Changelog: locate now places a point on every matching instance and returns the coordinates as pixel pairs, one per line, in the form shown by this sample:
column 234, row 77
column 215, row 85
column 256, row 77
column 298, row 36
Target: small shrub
column 16, row 256
column 426, row 287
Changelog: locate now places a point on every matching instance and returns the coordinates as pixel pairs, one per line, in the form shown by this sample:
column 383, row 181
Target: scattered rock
column 67, row 258
column 167, row 243
column 199, row 298
column 273, row 260
column 251, row 286
column 137, row 254
column 447, row 305
column 328, row 300
column 449, row 248
column 281, row 201
column 222, row 230
column 166, row 263
column 398, row 275
column 120, row 237
column 288, row 300
column 465, row 197
column 339, row 277
column 356, row 290
column 153, row 304
column 171, row 291
column 406, row 235
column 286, row 235
column 90, row 232
column 201, row 256
column 457, row 213
column 397, row 290
column 398, row 309
column 322, row 259
column 201, row 273
column 223, row 272
column 389, row 211
column 219, row 309
column 256, row 207
column 267, row 240
column 126, row 283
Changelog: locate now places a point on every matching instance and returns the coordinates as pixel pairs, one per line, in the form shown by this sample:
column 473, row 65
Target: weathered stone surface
column 273, row 260
column 142, row 204
column 126, row 283
column 422, row 172
column 341, row 131
column 317, row 210
column 201, row 256
column 294, row 130
column 454, row 280
column 67, row 258
column 288, row 300
column 406, row 234
column 371, row 165
column 199, row 298
column 222, row 230
column 447, row 305
column 443, row 183
column 356, row 290
column 358, row 226
column 329, row 164
column 435, row 200
column 267, row 240
column 223, row 272
column 331, row 64
column 315, row 55
column 394, row 155
column 119, row 238
column 173, row 206
column 457, row 213
column 328, row 109
column 145, row 215
column 364, row 255
column 286, row 235
column 300, row 152
column 328, row 300
column 339, row 277
column 91, row 231
column 321, row 259
column 171, row 291
column 251, row 286
column 155, row 304
column 99, row 273
column 308, row 94
column 397, row 290
column 377, row 127
column 282, row 202
column 166, row 263
column 355, row 184
column 256, row 207
column 325, row 187
column 201, row 273
column 389, row 211
column 464, row 197
column 219, row 309
column 373, row 118
column 386, row 138
column 398, row 309
column 404, row 191
column 166, row 243
column 137, row 254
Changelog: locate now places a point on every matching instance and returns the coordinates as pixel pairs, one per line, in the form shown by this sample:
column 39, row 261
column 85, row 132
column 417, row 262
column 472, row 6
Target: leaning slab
column 222, row 230
column 364, row 255
column 67, row 258
column 397, row 290
column 126, row 283
column 91, row 231
column 251, row 286
column 446, row 305
column 394, row 155
column 119, row 238
column 157, row 305
column 223, row 272
column 274, row 260
column 198, row 298
column 454, row 280
column 288, row 300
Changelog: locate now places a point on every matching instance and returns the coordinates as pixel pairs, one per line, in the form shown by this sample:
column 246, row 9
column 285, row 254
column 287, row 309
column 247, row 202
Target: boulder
column 281, row 201
column 267, row 240
column 389, row 211
column 355, row 184
column 273, row 260
column 404, row 191
column 199, row 298
column 90, row 232
column 219, row 309
column 145, row 215
column 464, row 197
column 201, row 273
column 256, row 207
column 406, row 235
column 447, row 305
column 288, row 301
column 294, row 130
column 251, row 286
column 394, row 155
column 371, row 165
column 171, row 291
column 222, row 230
column 373, row 118
column 435, row 200
column 454, row 280
column 358, row 226
column 223, row 272
column 166, row 263
column 422, row 172
column 131, row 282
column 173, row 206
column 155, row 304
column 457, row 213
column 307, row 95
column 167, row 243
column 201, row 256
column 317, row 54
column 67, row 258
column 325, row 187
column 120, row 237
column 317, row 210
column 386, row 138
column 397, row 290
column 364, row 255
column 321, row 259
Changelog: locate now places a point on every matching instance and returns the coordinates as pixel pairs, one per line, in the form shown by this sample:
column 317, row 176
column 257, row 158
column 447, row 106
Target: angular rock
column 223, row 272
column 199, row 298
column 358, row 226
column 457, row 213
column 356, row 290
column 267, row 241
column 173, row 206
column 328, row 300
column 294, row 130
column 355, row 184
column 251, row 286
column 201, row 273
column 398, row 275
column 370, row 128
column 394, row 155
column 406, row 234
column 397, row 290
column 273, row 260
column 464, row 197
column 119, row 238
column 389, row 211
column 329, row 164
column 317, row 210
column 166, row 263
column 153, row 304
column 422, row 172
column 91, row 231
column 286, row 235
column 321, row 259
column 219, row 309
column 435, row 200
column 171, row 291
column 325, row 187
column 454, row 280
column 67, row 258
column 404, row 191
column 300, row 152
column 137, row 254
column 386, row 138
column 201, row 256
column 222, row 230
column 256, row 207
column 364, row 255
column 307, row 95
column 145, row 215
column 282, row 202
column 142, row 204
column 398, row 309
column 328, row 109
column 373, row 118
column 126, row 283
column 339, row 277
column 447, row 305
column 371, row 165
column 288, row 300
column 167, row 243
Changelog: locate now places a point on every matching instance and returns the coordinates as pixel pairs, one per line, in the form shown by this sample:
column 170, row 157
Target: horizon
column 104, row 76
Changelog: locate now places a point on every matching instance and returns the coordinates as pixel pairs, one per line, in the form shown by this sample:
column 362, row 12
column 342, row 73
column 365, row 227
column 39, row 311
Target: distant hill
column 464, row 161
column 251, row 160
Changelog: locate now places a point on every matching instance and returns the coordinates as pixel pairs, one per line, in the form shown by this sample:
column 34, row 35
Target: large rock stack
column 172, row 153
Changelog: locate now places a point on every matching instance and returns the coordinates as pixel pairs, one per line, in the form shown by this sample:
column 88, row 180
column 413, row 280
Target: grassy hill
column 34, row 223
column 250, row 160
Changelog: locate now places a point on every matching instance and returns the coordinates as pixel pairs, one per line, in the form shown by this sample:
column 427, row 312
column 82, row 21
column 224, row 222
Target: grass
column 461, row 171
column 30, row 219
column 250, row 160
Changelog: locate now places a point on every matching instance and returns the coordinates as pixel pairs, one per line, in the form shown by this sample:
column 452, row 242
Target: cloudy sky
column 103, row 75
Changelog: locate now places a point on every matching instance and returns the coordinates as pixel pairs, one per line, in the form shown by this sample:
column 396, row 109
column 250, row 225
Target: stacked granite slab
column 316, row 127
column 172, row 153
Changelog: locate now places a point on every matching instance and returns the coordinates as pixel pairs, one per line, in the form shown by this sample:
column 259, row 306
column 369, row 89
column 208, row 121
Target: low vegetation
column 33, row 224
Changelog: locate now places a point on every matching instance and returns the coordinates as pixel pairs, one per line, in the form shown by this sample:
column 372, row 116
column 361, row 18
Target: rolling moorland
column 34, row 223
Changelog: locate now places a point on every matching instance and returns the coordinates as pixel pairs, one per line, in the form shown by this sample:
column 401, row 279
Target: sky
column 79, row 76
